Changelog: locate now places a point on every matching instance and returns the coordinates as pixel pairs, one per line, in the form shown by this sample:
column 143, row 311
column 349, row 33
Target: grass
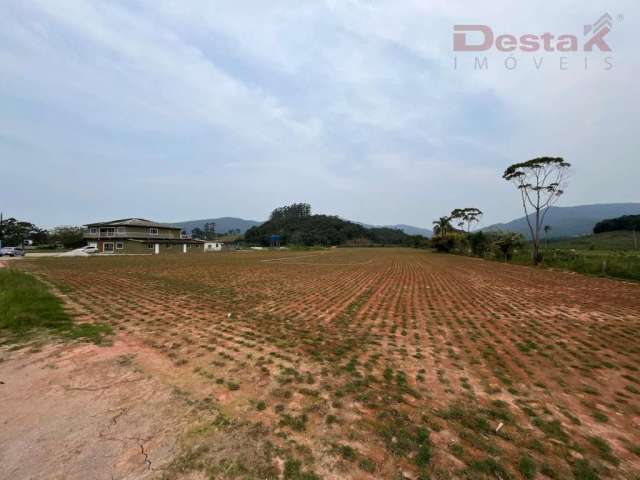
column 609, row 254
column 615, row 241
column 527, row 467
column 27, row 305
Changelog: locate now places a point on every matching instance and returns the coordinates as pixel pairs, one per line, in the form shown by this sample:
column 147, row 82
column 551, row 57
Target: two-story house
column 139, row 236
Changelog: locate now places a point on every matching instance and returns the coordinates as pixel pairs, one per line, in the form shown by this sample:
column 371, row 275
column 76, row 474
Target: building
column 213, row 246
column 139, row 236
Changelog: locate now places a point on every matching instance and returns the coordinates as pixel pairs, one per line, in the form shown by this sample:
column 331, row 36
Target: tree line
column 540, row 182
column 626, row 222
column 14, row 232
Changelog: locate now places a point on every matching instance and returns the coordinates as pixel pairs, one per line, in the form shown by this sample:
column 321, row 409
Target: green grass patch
column 27, row 305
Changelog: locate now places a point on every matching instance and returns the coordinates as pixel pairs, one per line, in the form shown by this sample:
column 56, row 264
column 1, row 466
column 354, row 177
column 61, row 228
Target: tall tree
column 466, row 216
column 541, row 182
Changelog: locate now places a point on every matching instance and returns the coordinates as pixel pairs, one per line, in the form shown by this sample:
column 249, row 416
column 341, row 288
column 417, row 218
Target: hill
column 572, row 221
column 223, row 224
column 325, row 230
column 411, row 230
column 614, row 241
column 408, row 229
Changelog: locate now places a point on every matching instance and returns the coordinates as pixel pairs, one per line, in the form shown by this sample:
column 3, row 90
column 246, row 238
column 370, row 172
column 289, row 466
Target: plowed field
column 379, row 363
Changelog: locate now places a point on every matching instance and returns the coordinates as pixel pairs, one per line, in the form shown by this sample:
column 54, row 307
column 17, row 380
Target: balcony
column 131, row 234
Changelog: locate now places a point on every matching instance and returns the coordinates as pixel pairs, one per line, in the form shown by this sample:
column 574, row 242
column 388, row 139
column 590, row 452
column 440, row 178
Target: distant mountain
column 411, row 230
column 223, row 224
column 408, row 229
column 572, row 221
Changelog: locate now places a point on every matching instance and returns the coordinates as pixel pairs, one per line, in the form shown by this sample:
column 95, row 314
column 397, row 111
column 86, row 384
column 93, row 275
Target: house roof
column 132, row 222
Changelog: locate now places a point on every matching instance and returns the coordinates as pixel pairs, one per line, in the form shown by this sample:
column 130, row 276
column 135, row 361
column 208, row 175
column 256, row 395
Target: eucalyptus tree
column 541, row 182
column 466, row 216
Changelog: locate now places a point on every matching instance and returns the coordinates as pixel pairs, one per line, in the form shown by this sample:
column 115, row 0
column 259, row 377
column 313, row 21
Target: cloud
column 237, row 107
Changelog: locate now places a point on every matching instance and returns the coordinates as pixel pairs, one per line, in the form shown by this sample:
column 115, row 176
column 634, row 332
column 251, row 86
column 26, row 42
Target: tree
column 68, row 236
column 289, row 212
column 547, row 229
column 479, row 243
column 506, row 243
column 541, row 182
column 207, row 232
column 442, row 226
column 466, row 216
column 14, row 232
column 210, row 231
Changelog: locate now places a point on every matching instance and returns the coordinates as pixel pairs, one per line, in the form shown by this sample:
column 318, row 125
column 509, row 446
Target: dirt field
column 369, row 363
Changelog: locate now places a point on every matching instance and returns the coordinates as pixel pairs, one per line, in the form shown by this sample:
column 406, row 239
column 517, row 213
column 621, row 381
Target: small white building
column 213, row 246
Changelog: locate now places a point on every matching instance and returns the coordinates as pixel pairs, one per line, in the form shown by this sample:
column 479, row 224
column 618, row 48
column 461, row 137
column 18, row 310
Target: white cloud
column 354, row 105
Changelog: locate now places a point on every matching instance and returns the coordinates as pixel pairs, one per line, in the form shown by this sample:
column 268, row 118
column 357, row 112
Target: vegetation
column 295, row 225
column 67, row 236
column 541, row 182
column 207, row 232
column 14, row 232
column 409, row 344
column 609, row 263
column 26, row 305
column 625, row 222
column 466, row 217
column 603, row 242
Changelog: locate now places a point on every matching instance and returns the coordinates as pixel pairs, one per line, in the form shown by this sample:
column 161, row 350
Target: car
column 11, row 252
column 90, row 249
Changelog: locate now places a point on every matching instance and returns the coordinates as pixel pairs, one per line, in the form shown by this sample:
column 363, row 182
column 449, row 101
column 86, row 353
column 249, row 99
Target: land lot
column 346, row 363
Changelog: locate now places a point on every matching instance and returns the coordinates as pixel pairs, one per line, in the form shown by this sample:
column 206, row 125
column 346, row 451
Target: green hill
column 621, row 240
column 294, row 224
column 572, row 221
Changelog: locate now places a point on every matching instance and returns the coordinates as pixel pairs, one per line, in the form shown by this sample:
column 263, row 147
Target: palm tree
column 547, row 229
column 442, row 226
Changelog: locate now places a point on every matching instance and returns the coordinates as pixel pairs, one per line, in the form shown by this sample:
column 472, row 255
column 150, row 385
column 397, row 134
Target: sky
column 180, row 110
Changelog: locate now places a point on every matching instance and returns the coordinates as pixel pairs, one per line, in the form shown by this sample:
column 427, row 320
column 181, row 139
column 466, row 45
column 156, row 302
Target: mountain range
column 224, row 224
column 571, row 221
column 564, row 221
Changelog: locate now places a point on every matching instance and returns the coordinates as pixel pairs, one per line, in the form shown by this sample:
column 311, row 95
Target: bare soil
column 360, row 363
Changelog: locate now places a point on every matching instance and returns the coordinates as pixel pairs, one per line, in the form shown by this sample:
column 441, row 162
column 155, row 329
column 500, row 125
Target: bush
column 480, row 243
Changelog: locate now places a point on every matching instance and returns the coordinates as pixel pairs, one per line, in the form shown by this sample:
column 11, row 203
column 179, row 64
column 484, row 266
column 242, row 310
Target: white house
column 213, row 246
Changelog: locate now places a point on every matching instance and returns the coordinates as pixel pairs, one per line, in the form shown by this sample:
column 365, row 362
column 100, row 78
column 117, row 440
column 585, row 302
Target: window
column 93, row 230
column 153, row 231
column 119, row 245
column 149, row 245
column 107, row 247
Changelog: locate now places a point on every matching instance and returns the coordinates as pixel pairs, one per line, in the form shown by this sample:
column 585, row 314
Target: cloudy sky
column 176, row 110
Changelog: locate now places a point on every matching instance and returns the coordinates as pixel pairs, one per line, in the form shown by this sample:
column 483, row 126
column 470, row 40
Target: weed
column 583, row 470
column 527, row 467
